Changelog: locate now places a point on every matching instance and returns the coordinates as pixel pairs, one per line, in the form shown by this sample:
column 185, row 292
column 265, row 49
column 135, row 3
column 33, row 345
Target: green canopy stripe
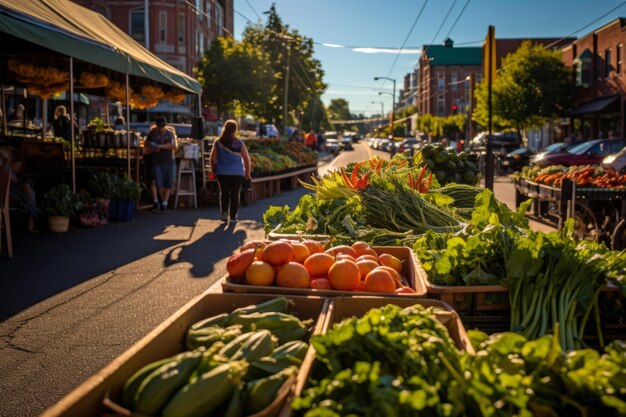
column 70, row 29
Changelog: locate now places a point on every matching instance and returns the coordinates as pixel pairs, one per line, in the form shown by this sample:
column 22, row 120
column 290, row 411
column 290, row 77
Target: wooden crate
column 230, row 284
column 341, row 308
column 166, row 340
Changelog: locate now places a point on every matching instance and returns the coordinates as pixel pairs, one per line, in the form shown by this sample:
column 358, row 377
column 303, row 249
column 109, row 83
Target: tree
column 533, row 86
column 286, row 48
column 235, row 76
column 339, row 109
column 314, row 116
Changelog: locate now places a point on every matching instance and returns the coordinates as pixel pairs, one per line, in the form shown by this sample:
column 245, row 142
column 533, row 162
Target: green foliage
column 533, row 86
column 106, row 185
column 97, row 124
column 286, row 48
column 339, row 109
column 236, row 76
column 102, row 184
column 394, row 362
column 60, row 201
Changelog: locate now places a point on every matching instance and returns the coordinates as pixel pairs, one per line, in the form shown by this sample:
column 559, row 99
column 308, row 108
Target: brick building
column 443, row 69
column 177, row 31
column 442, row 87
column 599, row 77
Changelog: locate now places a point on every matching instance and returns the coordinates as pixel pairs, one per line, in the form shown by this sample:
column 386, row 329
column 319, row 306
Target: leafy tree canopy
column 533, row 86
column 286, row 48
column 235, row 77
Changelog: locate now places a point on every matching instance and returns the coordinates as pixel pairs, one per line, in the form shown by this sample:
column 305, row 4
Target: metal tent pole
column 72, row 133
column 128, row 126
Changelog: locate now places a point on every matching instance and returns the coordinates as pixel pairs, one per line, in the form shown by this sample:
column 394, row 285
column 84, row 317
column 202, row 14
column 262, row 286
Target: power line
column 444, row 21
column 407, row 37
column 253, row 9
column 417, row 18
column 588, row 24
column 458, row 18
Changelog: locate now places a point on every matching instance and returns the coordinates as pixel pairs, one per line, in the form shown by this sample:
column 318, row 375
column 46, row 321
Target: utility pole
column 286, row 95
column 146, row 25
column 393, row 103
column 469, row 111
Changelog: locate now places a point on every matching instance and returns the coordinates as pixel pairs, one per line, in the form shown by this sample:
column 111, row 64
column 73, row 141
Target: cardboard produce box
column 406, row 255
column 167, row 340
column 341, row 308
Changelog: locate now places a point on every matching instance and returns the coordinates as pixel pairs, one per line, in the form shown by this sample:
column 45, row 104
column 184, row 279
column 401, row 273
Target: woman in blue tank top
column 231, row 164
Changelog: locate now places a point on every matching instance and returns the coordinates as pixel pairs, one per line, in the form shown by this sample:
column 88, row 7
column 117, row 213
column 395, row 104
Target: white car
column 346, row 142
column 332, row 146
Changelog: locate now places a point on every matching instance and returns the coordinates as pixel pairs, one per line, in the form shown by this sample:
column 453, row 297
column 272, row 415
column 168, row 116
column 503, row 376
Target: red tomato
column 321, row 284
column 405, row 290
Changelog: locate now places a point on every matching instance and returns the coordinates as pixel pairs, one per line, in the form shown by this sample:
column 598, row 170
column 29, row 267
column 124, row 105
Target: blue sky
column 387, row 24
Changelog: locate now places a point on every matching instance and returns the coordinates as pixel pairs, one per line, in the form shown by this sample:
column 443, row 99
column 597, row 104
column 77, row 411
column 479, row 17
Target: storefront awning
column 70, row 29
column 594, row 106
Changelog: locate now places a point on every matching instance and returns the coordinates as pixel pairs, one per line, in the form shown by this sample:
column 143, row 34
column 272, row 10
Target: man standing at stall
column 163, row 144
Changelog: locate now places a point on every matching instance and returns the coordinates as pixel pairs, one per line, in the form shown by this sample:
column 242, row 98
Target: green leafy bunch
column 61, row 201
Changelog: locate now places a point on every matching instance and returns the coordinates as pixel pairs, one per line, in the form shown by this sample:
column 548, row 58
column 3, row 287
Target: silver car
column 332, row 146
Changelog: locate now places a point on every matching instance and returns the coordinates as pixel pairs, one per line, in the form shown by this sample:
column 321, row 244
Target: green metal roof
column 440, row 55
column 72, row 30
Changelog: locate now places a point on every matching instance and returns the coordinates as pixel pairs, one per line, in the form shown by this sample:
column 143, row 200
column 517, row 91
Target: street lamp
column 393, row 103
column 382, row 106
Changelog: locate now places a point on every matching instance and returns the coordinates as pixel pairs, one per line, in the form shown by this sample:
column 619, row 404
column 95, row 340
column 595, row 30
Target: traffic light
column 454, row 108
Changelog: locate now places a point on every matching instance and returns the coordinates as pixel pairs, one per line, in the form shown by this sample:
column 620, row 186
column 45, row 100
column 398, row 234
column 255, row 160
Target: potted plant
column 59, row 205
column 125, row 196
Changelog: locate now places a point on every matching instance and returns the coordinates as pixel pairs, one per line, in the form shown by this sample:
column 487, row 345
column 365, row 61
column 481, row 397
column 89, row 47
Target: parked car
column 552, row 148
column 514, row 161
column 503, row 143
column 591, row 152
column 332, row 146
column 409, row 146
column 346, row 142
column 616, row 161
column 381, row 144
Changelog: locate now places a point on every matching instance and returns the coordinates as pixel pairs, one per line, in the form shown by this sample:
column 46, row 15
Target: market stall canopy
column 169, row 107
column 82, row 98
column 70, row 29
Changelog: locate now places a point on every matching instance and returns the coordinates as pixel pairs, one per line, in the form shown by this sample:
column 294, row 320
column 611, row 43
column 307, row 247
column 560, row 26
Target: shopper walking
column 162, row 142
column 231, row 164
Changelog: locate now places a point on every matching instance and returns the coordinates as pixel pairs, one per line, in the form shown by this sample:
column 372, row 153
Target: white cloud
column 387, row 51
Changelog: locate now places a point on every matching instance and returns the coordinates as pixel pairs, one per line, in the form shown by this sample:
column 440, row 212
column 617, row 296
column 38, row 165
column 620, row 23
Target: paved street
column 71, row 303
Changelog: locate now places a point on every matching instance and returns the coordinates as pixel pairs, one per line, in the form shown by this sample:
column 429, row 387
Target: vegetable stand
column 599, row 213
column 166, row 340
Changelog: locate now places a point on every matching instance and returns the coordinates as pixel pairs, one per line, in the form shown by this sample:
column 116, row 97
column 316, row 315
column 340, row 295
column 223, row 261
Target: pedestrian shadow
column 205, row 252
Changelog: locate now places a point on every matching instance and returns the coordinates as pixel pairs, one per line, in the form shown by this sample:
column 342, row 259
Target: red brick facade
column 600, row 78
column 178, row 30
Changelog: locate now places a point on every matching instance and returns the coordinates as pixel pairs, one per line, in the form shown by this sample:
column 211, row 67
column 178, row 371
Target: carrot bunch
column 583, row 176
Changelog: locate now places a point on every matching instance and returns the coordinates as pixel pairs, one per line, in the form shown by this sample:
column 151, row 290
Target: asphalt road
column 71, row 303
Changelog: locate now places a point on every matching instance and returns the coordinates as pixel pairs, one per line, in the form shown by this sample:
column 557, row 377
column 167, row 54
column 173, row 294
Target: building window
column 198, row 7
column 441, row 81
column 219, row 19
column 441, row 105
column 163, row 27
column 138, row 25
column 208, row 14
column 618, row 59
column 607, row 63
column 583, row 65
column 453, row 81
column 199, row 44
column 181, row 29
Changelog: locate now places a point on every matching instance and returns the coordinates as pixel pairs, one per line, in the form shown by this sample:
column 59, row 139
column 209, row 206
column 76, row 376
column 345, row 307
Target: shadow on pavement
column 45, row 264
column 217, row 243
